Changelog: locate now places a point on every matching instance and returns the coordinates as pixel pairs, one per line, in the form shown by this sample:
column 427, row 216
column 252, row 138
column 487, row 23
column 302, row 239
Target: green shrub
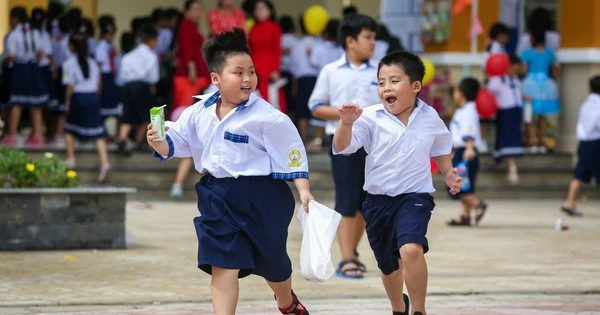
column 18, row 170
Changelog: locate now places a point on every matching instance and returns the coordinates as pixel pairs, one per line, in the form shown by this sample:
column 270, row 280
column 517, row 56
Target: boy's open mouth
column 390, row 99
column 246, row 88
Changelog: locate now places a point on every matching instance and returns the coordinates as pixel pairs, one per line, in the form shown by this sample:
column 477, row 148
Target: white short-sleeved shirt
column 300, row 58
column 381, row 48
column 105, row 51
column 21, row 44
column 165, row 36
column 44, row 45
column 324, row 53
column 72, row 75
column 464, row 126
column 398, row 155
column 289, row 42
column 588, row 124
column 340, row 82
column 140, row 64
column 253, row 140
column 507, row 91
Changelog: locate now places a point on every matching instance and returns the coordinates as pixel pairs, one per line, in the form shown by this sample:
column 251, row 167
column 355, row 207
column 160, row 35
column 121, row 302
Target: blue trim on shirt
column 467, row 138
column 213, row 100
column 159, row 157
column 289, row 176
column 316, row 106
column 236, row 138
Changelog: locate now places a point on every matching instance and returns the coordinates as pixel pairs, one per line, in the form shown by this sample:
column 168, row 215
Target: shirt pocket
column 418, row 147
column 235, row 147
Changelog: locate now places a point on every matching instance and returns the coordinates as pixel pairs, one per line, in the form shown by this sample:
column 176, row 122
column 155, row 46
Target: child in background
column 81, row 75
column 509, row 119
column 399, row 135
column 246, row 150
column 288, row 44
column 139, row 73
column 539, row 88
column 106, row 55
column 466, row 136
column 588, row 153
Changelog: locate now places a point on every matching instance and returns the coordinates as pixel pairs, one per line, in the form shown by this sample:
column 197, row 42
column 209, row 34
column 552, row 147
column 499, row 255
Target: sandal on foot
column 295, row 309
column 406, row 306
column 360, row 265
column 350, row 273
column 480, row 211
column 463, row 221
column 571, row 212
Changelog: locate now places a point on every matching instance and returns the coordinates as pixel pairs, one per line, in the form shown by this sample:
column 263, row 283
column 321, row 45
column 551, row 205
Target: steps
column 542, row 176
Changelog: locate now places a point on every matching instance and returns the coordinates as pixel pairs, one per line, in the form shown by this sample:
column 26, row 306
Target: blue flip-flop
column 344, row 273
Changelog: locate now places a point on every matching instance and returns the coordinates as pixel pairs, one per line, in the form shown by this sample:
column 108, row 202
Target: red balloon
column 486, row 104
column 497, row 64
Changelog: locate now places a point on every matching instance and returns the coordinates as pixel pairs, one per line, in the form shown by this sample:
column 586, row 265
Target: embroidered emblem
column 295, row 158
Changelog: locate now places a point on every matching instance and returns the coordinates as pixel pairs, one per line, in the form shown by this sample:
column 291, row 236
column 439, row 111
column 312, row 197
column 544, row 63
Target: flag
column 475, row 28
column 460, row 5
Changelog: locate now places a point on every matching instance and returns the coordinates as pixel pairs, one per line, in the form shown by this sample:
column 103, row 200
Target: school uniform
column 338, row 83
column 509, row 119
column 111, row 94
column 288, row 42
column 83, row 118
column 45, row 47
column 398, row 179
column 139, row 71
column 26, row 86
column 59, row 52
column 588, row 134
column 464, row 126
column 165, row 36
column 245, row 203
column 381, row 48
column 325, row 52
column 305, row 74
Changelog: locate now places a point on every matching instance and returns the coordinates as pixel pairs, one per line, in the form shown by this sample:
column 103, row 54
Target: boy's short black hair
column 127, row 42
column 514, row 59
column 469, row 87
column 286, row 23
column 148, row 32
column 348, row 10
column 595, row 84
column 497, row 29
column 332, row 28
column 410, row 63
column 353, row 24
column 222, row 46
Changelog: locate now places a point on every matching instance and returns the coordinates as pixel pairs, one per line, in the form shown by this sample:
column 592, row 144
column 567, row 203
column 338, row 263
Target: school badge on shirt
column 295, row 158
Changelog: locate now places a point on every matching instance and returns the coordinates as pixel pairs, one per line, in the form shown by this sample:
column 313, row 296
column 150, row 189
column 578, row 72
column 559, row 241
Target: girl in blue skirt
column 81, row 76
column 106, row 57
column 26, row 86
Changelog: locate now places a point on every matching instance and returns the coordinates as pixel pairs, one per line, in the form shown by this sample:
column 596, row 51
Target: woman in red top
column 191, row 73
column 225, row 17
column 265, row 48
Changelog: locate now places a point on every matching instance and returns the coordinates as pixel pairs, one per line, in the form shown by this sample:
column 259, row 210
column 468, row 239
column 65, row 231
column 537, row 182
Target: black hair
column 331, row 29
column 498, row 29
column 159, row 14
column 348, row 10
column 73, row 20
column 353, row 24
column 19, row 13
column 514, row 59
column 595, row 84
column 469, row 87
column 286, row 23
column 55, row 10
column 540, row 17
column 248, row 7
column 107, row 24
column 87, row 28
column 81, row 50
column 136, row 24
column 394, row 43
column 220, row 47
column 172, row 13
column 148, row 32
column 269, row 5
column 410, row 63
column 38, row 15
column 127, row 42
column 188, row 4
column 538, row 36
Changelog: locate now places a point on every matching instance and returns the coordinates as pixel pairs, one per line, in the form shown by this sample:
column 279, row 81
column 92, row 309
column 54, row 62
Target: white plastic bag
column 319, row 227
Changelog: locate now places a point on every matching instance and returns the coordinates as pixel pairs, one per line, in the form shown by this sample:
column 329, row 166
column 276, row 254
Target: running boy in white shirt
column 399, row 136
column 246, row 150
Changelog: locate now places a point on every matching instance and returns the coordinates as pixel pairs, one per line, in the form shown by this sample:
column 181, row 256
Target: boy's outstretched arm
column 348, row 114
column 444, row 163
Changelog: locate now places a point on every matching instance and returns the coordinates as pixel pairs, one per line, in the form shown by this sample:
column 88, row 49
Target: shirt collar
column 211, row 99
column 343, row 62
column 418, row 104
column 594, row 97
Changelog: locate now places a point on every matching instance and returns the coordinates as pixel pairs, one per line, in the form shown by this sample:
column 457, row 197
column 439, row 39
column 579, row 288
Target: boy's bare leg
column 124, row 131
column 574, row 187
column 359, row 228
column 224, row 290
column 140, row 135
column 70, row 145
column 346, row 235
column 466, row 208
column 471, row 200
column 183, row 170
column 393, row 284
column 283, row 292
column 14, row 120
column 36, row 122
column 415, row 274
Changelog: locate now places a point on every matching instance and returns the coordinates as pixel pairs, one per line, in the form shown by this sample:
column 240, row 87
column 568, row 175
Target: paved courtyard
column 515, row 262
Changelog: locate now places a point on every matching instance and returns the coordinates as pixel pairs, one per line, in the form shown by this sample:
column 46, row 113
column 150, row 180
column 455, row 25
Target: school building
column 577, row 21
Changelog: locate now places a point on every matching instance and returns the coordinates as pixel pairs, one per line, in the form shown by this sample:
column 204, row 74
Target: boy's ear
column 417, row 85
column 349, row 40
column 215, row 78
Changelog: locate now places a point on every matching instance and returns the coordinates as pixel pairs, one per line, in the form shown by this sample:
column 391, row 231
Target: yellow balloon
column 249, row 24
column 315, row 19
column 429, row 70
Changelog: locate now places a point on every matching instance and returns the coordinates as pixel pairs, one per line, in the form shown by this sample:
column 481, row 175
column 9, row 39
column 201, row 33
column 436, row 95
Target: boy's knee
column 411, row 252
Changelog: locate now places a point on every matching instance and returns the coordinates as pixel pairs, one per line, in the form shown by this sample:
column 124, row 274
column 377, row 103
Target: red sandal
column 293, row 309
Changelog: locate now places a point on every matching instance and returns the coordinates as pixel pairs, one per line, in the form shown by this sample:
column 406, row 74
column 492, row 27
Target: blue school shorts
column 588, row 161
column 244, row 225
column 473, row 166
column 349, row 178
column 395, row 221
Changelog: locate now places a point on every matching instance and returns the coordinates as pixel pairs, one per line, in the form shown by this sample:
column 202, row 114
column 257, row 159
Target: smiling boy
column 399, row 136
column 246, row 150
